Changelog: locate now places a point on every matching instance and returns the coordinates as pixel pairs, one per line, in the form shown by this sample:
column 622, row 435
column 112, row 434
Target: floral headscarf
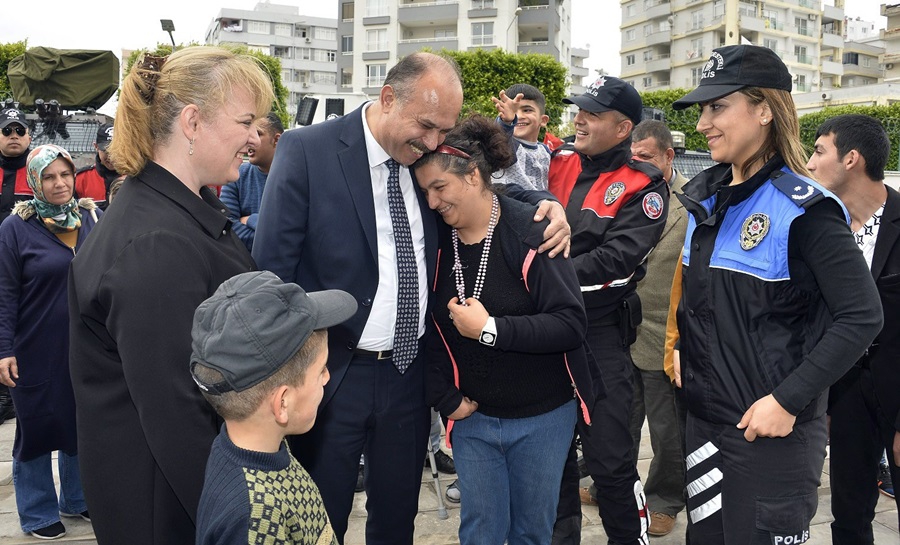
column 58, row 218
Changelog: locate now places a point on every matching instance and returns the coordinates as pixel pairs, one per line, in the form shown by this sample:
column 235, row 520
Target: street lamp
column 169, row 26
column 513, row 20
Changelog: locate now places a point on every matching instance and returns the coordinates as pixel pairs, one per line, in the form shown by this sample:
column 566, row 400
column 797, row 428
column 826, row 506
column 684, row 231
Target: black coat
column 885, row 364
column 144, row 431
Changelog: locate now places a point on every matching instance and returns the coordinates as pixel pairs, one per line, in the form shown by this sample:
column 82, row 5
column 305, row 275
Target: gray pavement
column 430, row 529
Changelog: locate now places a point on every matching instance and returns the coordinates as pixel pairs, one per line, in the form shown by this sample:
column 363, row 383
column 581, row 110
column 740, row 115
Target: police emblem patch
column 754, row 229
column 613, row 192
column 653, row 205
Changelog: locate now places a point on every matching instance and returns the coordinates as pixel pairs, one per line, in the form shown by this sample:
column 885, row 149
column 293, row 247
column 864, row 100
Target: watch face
column 487, row 338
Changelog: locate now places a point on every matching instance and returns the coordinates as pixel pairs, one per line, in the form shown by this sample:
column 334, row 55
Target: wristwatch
column 489, row 332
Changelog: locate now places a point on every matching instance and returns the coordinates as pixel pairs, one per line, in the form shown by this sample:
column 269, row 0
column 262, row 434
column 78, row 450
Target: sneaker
column 360, row 479
column 54, row 531
column 885, row 484
column 443, row 461
column 661, row 524
column 453, row 492
column 84, row 514
column 586, row 497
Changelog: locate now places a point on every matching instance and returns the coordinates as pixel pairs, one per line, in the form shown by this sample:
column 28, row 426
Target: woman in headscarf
column 37, row 244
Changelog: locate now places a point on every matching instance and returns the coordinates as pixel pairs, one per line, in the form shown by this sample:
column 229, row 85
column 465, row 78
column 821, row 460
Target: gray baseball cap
column 254, row 323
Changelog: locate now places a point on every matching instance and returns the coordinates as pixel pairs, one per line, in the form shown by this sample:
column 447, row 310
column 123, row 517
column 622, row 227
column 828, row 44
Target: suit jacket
column 885, row 364
column 654, row 289
column 317, row 224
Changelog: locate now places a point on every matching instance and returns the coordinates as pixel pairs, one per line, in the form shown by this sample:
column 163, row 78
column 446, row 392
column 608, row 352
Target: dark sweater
column 259, row 497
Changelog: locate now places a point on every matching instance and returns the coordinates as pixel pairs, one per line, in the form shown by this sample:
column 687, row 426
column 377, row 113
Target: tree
column 271, row 65
column 7, row 53
column 486, row 73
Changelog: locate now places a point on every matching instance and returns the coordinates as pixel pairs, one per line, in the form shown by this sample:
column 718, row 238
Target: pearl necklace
column 482, row 265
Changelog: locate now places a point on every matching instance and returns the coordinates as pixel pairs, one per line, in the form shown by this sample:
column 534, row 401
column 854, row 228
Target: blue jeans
column 509, row 474
column 36, row 498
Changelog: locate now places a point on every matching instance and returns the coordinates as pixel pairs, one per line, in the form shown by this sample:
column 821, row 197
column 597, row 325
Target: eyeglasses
column 20, row 130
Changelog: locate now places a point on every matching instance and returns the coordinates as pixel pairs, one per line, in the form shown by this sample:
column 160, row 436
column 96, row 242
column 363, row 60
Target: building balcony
column 580, row 71
column 864, row 71
column 658, row 9
column 831, row 13
column 832, row 68
column 437, row 12
column 890, row 10
column 405, row 47
column 543, row 47
column 537, row 15
column 832, row 40
column 580, row 52
column 659, row 37
column 658, row 63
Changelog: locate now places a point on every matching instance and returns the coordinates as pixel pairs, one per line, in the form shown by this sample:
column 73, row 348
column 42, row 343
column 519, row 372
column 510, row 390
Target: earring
column 191, row 151
column 765, row 121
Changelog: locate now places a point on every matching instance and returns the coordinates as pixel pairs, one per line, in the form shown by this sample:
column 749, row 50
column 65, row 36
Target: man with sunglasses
column 14, row 146
column 15, row 140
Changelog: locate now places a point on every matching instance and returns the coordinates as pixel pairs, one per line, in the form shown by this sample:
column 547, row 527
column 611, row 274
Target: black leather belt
column 378, row 355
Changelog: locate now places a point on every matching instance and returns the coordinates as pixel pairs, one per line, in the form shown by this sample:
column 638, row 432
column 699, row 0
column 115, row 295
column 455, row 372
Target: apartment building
column 307, row 46
column 373, row 34
column 890, row 37
column 665, row 43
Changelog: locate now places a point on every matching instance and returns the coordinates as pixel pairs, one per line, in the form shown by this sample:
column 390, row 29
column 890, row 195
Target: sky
column 97, row 24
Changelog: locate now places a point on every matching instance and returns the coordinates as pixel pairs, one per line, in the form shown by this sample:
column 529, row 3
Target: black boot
column 7, row 411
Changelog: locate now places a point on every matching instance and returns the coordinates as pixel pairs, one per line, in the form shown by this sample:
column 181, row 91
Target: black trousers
column 607, row 446
column 764, row 492
column 860, row 431
column 379, row 412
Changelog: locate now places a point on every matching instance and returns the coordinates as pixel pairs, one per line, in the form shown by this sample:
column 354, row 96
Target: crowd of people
column 214, row 370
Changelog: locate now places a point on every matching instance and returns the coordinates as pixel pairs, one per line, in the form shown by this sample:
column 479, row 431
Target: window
column 801, row 83
column 323, row 55
column 770, row 43
column 851, row 58
column 347, row 44
column 866, row 61
column 802, row 57
column 375, row 74
column 629, row 35
column 696, row 74
column 771, row 19
column 629, row 60
column 324, row 77
column 747, row 10
column 302, row 31
column 257, row 27
column 304, row 53
column 630, row 10
column 287, row 76
column 347, row 11
column 482, row 33
column 346, row 78
column 697, row 48
column 284, row 29
column 482, row 4
column 324, row 33
column 718, row 9
column 801, row 24
column 376, row 40
column 281, row 52
column 648, row 56
column 665, row 26
column 696, row 19
column 376, row 8
column 647, row 82
column 648, row 30
column 445, row 33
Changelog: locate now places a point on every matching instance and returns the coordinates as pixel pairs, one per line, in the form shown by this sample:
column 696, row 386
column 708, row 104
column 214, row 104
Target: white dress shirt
column 378, row 334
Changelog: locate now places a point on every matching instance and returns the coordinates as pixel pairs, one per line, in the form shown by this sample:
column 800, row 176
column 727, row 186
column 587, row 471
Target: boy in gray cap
column 259, row 352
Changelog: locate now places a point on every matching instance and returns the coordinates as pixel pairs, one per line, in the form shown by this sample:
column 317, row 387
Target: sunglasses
column 20, row 130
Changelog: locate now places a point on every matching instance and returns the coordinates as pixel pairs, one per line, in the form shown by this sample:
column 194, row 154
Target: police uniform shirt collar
column 716, row 179
column 209, row 212
column 609, row 160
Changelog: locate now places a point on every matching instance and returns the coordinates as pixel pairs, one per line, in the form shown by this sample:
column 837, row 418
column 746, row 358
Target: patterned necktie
column 407, row 326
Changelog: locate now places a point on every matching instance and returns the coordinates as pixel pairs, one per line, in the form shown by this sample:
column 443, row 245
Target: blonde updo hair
column 157, row 88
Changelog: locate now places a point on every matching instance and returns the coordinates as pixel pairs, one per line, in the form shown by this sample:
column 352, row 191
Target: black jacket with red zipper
column 551, row 284
column 617, row 209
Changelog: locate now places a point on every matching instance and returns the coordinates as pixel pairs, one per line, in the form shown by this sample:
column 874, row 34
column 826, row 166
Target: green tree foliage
column 888, row 115
column 271, row 65
column 677, row 120
column 486, row 73
column 7, row 53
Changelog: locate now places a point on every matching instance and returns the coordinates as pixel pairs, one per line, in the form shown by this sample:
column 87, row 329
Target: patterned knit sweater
column 259, row 498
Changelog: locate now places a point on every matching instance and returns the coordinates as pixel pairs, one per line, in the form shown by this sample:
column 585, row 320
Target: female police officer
column 766, row 317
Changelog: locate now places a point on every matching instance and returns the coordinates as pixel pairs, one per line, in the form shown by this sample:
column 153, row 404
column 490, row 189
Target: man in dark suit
column 333, row 216
column 849, row 158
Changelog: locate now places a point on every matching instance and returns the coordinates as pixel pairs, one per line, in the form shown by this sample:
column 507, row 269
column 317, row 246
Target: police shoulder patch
column 653, row 205
column 799, row 190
